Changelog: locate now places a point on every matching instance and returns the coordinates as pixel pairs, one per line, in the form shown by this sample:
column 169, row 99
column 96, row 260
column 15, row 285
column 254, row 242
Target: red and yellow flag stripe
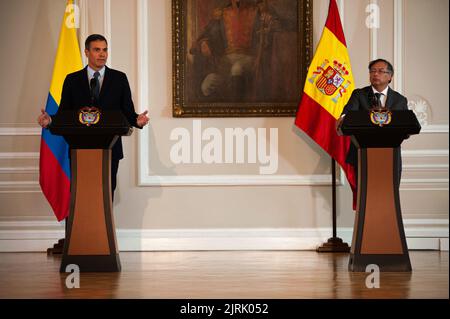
column 328, row 87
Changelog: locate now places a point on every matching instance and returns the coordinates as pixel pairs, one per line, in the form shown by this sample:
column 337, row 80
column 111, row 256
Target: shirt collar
column 92, row 71
column 384, row 92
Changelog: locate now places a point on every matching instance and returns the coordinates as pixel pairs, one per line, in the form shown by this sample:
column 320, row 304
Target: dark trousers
column 114, row 169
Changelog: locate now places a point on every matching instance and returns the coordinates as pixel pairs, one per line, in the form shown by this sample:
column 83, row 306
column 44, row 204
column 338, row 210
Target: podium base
column 57, row 248
column 385, row 262
column 334, row 245
column 94, row 263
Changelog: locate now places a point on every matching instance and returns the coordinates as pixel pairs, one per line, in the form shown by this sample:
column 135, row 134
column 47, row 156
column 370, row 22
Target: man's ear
column 86, row 51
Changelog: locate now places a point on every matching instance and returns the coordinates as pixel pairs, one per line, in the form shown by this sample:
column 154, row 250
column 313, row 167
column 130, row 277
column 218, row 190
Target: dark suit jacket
column 115, row 95
column 361, row 100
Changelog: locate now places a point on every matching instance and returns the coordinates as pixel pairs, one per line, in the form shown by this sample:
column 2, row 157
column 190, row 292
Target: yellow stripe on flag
column 331, row 96
column 68, row 56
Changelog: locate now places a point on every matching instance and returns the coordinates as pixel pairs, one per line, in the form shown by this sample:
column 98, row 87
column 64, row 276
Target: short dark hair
column 92, row 38
column 390, row 68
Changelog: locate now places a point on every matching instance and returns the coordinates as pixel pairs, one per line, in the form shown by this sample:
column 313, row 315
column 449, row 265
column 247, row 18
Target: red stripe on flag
column 320, row 125
column 334, row 22
column 55, row 186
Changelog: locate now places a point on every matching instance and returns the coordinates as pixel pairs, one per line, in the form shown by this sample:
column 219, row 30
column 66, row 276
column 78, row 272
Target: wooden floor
column 223, row 274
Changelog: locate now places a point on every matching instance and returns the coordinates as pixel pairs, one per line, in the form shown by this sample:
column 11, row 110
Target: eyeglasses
column 373, row 71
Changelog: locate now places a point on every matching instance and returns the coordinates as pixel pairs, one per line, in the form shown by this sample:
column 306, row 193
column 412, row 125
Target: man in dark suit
column 98, row 85
column 377, row 95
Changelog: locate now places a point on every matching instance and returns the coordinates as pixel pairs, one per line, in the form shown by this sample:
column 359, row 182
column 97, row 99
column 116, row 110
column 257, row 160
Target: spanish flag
column 54, row 164
column 328, row 87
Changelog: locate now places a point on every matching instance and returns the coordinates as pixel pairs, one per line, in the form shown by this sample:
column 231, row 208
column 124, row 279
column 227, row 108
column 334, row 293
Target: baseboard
column 421, row 235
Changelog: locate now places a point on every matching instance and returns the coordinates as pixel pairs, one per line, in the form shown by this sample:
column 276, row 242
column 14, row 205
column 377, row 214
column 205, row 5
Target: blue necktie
column 97, row 85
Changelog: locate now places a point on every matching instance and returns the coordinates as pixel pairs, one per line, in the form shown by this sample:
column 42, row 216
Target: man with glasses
column 376, row 95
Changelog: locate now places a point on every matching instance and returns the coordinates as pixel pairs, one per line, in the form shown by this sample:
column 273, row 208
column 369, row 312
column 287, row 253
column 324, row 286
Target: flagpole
column 334, row 244
column 333, row 194
column 54, row 172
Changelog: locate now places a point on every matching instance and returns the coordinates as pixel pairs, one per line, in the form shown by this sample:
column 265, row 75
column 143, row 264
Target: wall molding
column 107, row 29
column 398, row 46
column 254, row 180
column 37, row 131
column 142, row 88
column 422, row 184
column 437, row 169
column 19, row 187
column 425, row 184
column 238, row 180
column 340, row 4
column 34, row 131
column 373, row 39
column 434, row 128
column 18, row 155
column 425, row 167
column 19, row 170
column 30, row 186
column 425, row 153
column 20, row 131
column 84, row 28
column 420, row 233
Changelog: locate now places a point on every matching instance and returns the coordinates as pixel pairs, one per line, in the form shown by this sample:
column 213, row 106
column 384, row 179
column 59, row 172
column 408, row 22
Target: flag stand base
column 334, row 245
column 57, row 248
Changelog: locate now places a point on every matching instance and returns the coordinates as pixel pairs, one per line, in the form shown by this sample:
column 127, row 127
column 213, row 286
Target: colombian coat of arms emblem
column 89, row 115
column 380, row 117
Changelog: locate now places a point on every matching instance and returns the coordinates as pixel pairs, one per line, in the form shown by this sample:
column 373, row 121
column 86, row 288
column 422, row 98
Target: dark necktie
column 378, row 97
column 97, row 85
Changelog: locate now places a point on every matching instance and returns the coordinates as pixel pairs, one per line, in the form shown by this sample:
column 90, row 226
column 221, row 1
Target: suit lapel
column 389, row 98
column 84, row 81
column 106, row 82
column 367, row 92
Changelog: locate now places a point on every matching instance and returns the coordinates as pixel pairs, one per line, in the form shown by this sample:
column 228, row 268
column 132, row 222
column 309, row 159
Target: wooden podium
column 90, row 241
column 378, row 234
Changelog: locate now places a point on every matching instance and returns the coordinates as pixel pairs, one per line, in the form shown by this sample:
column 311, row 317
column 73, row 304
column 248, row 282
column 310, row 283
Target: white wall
column 291, row 209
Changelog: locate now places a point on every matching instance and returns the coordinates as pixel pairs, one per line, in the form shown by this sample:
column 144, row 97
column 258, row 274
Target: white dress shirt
column 91, row 75
column 383, row 95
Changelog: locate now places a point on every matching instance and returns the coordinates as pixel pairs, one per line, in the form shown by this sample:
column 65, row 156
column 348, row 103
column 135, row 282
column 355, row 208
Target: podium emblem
column 380, row 117
column 89, row 115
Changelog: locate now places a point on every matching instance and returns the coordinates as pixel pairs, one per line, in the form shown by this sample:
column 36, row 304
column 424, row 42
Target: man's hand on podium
column 142, row 119
column 44, row 119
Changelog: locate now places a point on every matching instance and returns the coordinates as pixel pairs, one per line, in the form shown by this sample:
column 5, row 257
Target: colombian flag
column 54, row 165
column 328, row 87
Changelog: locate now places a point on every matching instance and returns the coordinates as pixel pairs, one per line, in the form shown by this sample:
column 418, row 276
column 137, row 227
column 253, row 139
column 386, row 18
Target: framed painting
column 240, row 58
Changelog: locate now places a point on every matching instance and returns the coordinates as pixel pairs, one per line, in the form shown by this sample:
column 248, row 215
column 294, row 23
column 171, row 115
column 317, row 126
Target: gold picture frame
column 240, row 58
